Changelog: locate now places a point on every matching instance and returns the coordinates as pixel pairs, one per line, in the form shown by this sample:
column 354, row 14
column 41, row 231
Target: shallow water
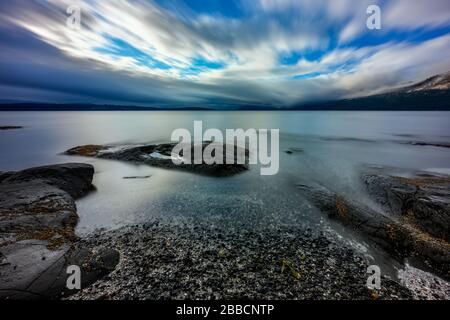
column 336, row 146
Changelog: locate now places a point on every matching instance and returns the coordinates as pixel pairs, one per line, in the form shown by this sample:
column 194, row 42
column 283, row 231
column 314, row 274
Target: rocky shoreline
column 37, row 232
column 164, row 260
column 413, row 220
column 161, row 261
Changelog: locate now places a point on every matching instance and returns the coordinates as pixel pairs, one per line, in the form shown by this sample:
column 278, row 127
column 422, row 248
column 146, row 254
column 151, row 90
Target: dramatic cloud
column 218, row 53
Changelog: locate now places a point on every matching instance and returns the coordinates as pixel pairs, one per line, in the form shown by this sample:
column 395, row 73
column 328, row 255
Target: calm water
column 337, row 146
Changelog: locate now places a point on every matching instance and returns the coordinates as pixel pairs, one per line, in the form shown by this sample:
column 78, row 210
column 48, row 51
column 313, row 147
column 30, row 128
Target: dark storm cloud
column 266, row 52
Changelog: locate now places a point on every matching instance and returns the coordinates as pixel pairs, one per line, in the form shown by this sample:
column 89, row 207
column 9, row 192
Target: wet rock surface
column 413, row 220
column 73, row 178
column 38, row 203
column 178, row 261
column 37, row 238
column 423, row 200
column 161, row 156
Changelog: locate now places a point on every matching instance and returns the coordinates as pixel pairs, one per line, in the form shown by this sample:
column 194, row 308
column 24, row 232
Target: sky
column 217, row 53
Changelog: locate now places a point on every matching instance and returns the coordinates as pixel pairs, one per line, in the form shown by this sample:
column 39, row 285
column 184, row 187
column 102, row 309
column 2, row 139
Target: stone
column 160, row 156
column 397, row 237
column 423, row 200
column 37, row 232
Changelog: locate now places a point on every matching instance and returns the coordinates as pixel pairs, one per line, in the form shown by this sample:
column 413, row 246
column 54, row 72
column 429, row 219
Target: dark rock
column 37, row 279
column 28, row 276
column 27, row 208
column 5, row 175
column 107, row 259
column 397, row 237
column 423, row 200
column 137, row 177
column 160, row 156
column 10, row 127
column 38, row 203
column 73, row 178
column 95, row 263
column 425, row 144
column 294, row 150
column 37, row 232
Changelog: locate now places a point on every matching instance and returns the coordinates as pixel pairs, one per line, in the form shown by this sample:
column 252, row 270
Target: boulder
column 73, row 178
column 160, row 155
column 37, row 232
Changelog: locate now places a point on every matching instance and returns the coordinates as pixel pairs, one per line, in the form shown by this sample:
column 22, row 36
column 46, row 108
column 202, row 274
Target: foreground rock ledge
column 413, row 220
column 37, row 238
column 160, row 155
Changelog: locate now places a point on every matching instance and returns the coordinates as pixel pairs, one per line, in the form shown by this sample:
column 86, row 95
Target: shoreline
column 38, row 216
column 202, row 260
column 173, row 261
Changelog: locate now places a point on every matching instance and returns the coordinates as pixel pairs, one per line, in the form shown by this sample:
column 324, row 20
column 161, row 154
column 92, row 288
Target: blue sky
column 217, row 53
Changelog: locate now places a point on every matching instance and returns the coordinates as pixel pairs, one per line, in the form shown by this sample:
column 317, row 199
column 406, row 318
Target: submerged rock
column 10, row 127
column 136, row 177
column 161, row 156
column 294, row 150
column 427, row 144
column 37, row 231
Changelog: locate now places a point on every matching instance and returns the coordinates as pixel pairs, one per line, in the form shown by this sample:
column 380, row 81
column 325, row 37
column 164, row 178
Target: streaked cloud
column 226, row 53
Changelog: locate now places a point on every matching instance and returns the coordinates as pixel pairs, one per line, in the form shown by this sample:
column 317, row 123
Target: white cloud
column 418, row 13
column 249, row 47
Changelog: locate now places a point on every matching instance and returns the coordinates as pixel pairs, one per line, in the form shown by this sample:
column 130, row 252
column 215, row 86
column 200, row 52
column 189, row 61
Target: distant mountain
column 439, row 82
column 431, row 94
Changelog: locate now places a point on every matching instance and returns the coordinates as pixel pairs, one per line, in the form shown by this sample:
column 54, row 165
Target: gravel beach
column 178, row 261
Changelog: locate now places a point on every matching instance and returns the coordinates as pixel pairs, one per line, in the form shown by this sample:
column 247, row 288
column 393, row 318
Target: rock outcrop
column 73, row 178
column 37, row 232
column 399, row 237
column 423, row 201
column 161, row 156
